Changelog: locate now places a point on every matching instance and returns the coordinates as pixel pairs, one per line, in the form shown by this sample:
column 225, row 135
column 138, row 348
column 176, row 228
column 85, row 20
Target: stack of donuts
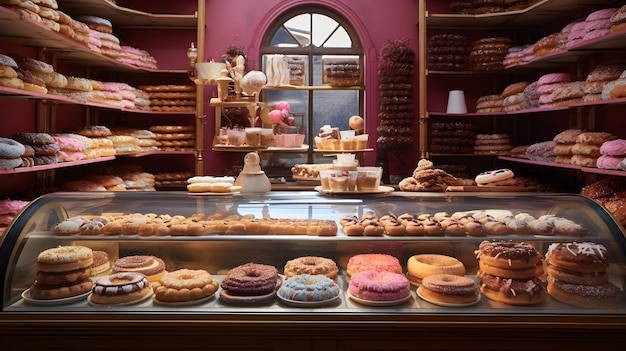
column 597, row 24
column 447, row 52
column 612, row 155
column 396, row 69
column 510, row 271
column 172, row 179
column 136, row 57
column 70, row 149
column 610, row 193
column 490, row 103
column 144, row 139
column 568, row 93
column 44, row 146
column 577, row 275
column 174, row 137
column 13, row 154
column 102, row 147
column 618, row 19
column 171, row 97
column 488, row 54
column 453, row 138
column 62, row 272
column 8, row 210
column 8, row 75
column 513, row 96
column 564, row 141
column 547, row 84
column 586, row 150
column 428, row 178
column 599, row 77
column 493, row 144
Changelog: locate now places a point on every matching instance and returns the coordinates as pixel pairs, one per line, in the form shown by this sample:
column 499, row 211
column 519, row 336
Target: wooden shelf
column 56, row 165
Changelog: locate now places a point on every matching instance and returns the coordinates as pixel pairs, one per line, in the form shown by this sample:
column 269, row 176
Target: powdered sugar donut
column 494, row 176
column 615, row 147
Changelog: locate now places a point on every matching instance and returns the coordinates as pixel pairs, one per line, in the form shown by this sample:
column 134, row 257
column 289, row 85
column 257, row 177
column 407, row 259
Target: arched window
column 326, row 83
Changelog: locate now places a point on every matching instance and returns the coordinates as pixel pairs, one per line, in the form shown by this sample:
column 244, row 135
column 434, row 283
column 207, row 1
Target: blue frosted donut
column 308, row 288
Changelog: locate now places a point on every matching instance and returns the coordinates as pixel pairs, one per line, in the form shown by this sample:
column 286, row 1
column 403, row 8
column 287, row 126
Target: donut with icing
column 512, row 291
column 308, row 288
column 449, row 288
column 423, row 265
column 250, row 283
column 153, row 268
column 381, row 262
column 494, row 176
column 376, row 285
column 120, row 288
column 615, row 147
column 312, row 265
column 586, row 296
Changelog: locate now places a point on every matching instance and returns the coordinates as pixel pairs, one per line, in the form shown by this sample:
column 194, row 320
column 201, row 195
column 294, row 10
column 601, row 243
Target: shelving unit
column 548, row 13
column 58, row 49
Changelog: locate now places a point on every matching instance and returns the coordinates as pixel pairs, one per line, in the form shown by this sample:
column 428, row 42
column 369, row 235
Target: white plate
column 381, row 190
column 446, row 304
column 54, row 302
column 182, row 303
column 295, row 303
column 123, row 303
column 378, row 303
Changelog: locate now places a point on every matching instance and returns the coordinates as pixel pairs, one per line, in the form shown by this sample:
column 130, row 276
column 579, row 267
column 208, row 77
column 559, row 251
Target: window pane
column 323, row 26
column 300, row 28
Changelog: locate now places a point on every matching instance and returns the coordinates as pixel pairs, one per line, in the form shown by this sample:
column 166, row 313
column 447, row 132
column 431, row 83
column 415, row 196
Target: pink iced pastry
column 595, row 34
column 609, row 162
column 548, row 88
column 596, row 25
column 366, row 262
column 615, row 147
column 554, row 78
column 601, row 14
column 69, row 144
column 376, row 285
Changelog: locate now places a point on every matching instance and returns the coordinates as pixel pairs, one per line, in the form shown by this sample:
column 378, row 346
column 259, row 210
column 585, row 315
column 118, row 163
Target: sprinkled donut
column 119, row 288
column 582, row 263
column 508, row 254
column 364, row 262
column 308, row 288
column 185, row 285
column 64, row 258
column 376, row 285
column 512, row 291
column 587, row 296
column 311, row 265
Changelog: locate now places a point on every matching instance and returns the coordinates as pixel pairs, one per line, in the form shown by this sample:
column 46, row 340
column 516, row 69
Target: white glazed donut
column 493, row 176
column 10, row 148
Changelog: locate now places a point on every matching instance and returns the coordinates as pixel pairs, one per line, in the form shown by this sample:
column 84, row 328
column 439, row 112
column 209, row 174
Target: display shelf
column 312, row 87
column 567, row 166
column 127, row 17
column 545, row 11
column 56, row 165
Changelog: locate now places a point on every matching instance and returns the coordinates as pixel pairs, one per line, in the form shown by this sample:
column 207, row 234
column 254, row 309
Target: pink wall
column 242, row 24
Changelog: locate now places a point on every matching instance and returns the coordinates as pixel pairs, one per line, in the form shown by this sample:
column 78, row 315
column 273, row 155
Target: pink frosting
column 69, row 144
column 67, row 156
column 599, row 24
column 546, row 99
column 554, row 78
column 594, row 34
column 548, row 88
column 8, row 206
column 609, row 162
column 115, row 86
column 376, row 285
column 601, row 14
column 615, row 147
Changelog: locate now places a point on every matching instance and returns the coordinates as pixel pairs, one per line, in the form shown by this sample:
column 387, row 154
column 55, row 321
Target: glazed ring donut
column 583, row 257
column 152, row 267
column 449, row 288
column 185, row 285
column 420, row 266
column 10, row 148
column 64, row 258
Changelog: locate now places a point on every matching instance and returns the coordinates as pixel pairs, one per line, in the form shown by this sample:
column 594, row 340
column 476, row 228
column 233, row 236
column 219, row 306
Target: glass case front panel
column 218, row 252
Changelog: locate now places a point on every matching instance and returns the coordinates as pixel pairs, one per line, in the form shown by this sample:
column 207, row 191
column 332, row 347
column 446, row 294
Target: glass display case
column 218, row 251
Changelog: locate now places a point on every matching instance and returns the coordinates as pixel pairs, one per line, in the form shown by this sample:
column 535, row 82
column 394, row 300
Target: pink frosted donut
column 596, row 25
column 9, row 206
column 68, row 156
column 595, row 34
column 365, row 262
column 69, row 144
column 548, row 88
column 554, row 78
column 615, row 147
column 112, row 95
column 546, row 99
column 575, row 36
column 116, row 86
column 374, row 285
column 609, row 162
column 601, row 14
